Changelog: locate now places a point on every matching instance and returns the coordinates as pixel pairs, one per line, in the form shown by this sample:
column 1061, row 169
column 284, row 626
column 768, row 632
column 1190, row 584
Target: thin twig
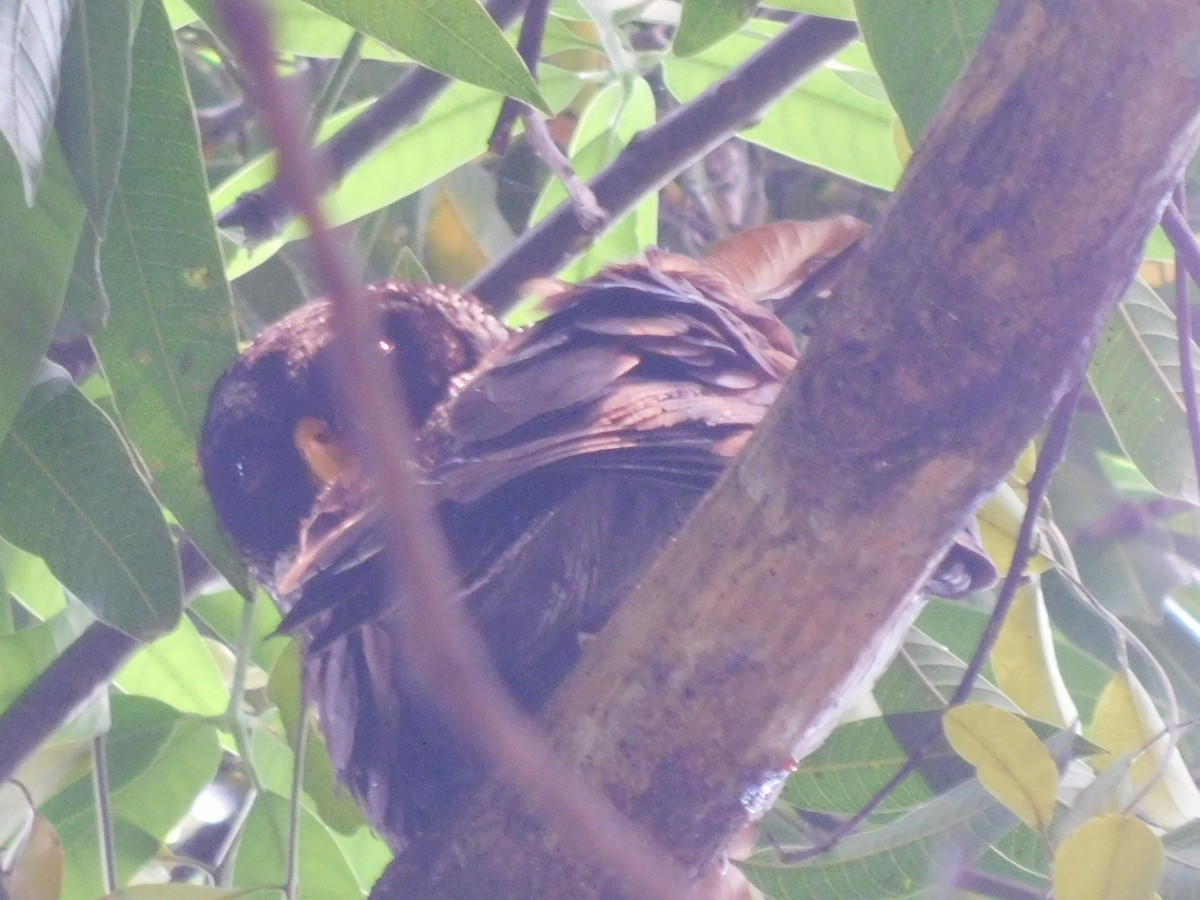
column 235, row 716
column 261, row 214
column 662, row 151
column 225, row 856
column 102, row 792
column 291, row 885
column 587, row 210
column 332, row 90
column 440, row 647
column 529, row 48
column 1053, row 450
column 1187, row 248
column 1183, row 334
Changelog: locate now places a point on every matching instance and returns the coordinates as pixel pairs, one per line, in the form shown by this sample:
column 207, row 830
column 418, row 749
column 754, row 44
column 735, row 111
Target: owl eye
column 251, row 472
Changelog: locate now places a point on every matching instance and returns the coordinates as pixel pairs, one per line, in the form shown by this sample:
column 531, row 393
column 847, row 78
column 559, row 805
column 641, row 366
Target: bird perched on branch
column 562, row 458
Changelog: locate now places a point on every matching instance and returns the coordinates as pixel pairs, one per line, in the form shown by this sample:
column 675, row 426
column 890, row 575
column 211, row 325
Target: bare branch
column 587, row 211
column 529, row 48
column 1187, row 262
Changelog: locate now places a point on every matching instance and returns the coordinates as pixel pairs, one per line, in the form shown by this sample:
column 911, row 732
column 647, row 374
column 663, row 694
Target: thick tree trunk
column 966, row 315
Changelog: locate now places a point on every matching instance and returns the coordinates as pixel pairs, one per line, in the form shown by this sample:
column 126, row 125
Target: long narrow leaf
column 1135, row 375
column 31, row 45
column 456, row 37
column 170, row 330
column 61, row 466
column 824, row 121
column 94, row 107
column 35, row 262
column 920, row 49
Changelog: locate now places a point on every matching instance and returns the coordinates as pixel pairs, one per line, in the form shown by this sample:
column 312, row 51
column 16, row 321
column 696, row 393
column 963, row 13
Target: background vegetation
column 127, row 134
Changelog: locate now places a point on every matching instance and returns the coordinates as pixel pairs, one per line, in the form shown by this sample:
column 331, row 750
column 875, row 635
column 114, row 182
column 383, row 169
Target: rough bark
column 966, row 315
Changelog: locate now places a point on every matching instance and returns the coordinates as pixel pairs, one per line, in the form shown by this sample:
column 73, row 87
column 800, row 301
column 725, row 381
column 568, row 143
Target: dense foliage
column 127, row 136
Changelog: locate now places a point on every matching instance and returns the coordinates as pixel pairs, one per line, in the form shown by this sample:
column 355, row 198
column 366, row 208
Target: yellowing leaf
column 36, row 872
column 1012, row 763
column 464, row 230
column 999, row 523
column 1026, row 464
column 1109, row 858
column 186, row 892
column 1156, row 273
column 1126, row 721
column 1025, row 664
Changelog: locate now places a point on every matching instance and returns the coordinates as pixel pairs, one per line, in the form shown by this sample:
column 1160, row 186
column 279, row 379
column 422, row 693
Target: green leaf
column 31, row 45
column 222, row 613
column 959, row 627
column 925, row 674
column 830, row 9
column 825, row 121
column 170, row 330
column 30, row 581
column 858, row 759
column 464, row 229
column 409, row 268
column 160, row 796
column 177, row 669
column 704, row 22
column 25, row 654
column 896, row 860
column 86, row 305
column 1181, row 875
column 455, row 37
column 605, row 127
column 331, row 801
column 324, row 871
column 1173, row 644
column 158, row 762
column 920, row 49
column 1135, row 375
column 36, row 255
column 68, row 493
column 93, row 108
column 453, row 132
column 303, row 30
column 1131, row 574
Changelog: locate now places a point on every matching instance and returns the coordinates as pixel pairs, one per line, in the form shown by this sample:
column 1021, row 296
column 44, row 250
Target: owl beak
column 327, row 456
column 340, row 531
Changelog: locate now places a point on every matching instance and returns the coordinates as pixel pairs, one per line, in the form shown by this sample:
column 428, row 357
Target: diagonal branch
column 960, row 324
column 261, row 214
column 659, row 153
column 74, row 677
